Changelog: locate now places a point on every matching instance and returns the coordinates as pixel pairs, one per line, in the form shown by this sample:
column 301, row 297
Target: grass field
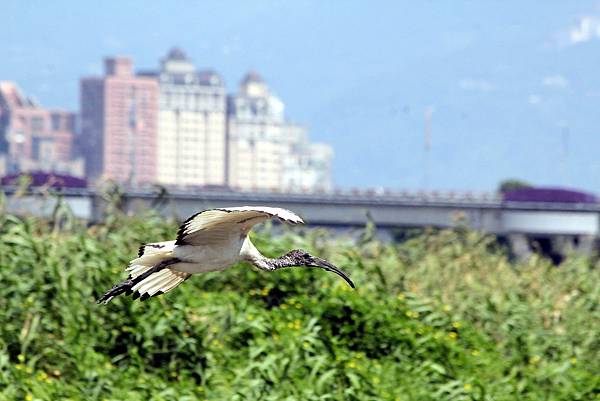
column 442, row 316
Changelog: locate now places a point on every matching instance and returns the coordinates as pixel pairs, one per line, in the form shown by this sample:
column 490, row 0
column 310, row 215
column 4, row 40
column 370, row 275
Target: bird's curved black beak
column 325, row 265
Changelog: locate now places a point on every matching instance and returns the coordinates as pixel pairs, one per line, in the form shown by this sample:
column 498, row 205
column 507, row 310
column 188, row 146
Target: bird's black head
column 300, row 257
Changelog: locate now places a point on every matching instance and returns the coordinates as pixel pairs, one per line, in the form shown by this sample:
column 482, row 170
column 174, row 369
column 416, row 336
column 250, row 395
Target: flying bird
column 212, row 240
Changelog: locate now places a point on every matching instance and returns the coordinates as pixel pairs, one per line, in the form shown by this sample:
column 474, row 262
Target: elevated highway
column 516, row 221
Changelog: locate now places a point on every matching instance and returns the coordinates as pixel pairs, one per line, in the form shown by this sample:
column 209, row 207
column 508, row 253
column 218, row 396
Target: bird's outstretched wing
column 216, row 225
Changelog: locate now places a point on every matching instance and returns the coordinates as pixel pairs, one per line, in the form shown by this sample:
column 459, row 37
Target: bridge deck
column 489, row 215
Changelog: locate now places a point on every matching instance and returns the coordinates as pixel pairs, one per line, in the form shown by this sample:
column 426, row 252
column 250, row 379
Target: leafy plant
column 442, row 316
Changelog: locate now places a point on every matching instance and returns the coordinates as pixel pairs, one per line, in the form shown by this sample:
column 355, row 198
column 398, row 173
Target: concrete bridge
column 568, row 226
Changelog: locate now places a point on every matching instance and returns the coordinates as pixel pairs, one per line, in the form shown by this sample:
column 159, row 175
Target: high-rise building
column 267, row 151
column 176, row 126
column 191, row 125
column 33, row 138
column 119, row 124
column 307, row 166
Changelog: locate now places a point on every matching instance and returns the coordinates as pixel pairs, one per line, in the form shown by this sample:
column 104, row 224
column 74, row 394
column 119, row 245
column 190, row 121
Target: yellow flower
column 573, row 361
column 468, row 386
column 250, row 318
column 456, row 325
column 21, row 357
column 401, row 296
column 534, row 360
column 28, row 397
column 452, row 335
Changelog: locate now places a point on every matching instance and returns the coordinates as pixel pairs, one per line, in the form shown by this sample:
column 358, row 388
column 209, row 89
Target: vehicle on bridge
column 549, row 195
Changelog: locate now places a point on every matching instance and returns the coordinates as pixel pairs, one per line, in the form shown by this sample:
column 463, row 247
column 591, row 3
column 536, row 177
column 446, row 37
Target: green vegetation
column 512, row 184
column 443, row 316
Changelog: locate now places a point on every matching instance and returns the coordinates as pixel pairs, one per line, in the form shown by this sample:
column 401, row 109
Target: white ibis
column 212, row 240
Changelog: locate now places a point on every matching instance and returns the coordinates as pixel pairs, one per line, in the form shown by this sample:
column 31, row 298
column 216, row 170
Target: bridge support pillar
column 519, row 245
column 564, row 244
column 585, row 244
column 579, row 245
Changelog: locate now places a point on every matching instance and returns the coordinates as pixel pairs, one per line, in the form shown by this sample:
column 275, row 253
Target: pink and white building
column 119, row 124
column 33, row 138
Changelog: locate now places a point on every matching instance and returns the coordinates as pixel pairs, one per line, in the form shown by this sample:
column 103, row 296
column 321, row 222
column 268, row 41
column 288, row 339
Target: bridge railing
column 362, row 195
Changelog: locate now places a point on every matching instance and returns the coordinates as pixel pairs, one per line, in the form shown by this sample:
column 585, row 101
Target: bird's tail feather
column 149, row 256
column 149, row 275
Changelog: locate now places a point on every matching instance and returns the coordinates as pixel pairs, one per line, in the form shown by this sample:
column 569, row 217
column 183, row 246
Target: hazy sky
column 514, row 85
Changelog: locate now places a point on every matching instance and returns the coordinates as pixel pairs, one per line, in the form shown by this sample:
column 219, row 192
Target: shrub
column 443, row 316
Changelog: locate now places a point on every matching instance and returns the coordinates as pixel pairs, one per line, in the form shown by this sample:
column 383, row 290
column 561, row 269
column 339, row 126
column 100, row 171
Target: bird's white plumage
column 150, row 255
column 156, row 247
column 218, row 225
column 163, row 281
column 211, row 240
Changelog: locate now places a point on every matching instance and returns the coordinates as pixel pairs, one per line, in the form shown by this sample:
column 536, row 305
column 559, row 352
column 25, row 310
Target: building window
column 37, row 125
column 55, row 122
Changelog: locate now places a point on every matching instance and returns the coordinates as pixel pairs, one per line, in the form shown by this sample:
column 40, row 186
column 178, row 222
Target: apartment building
column 34, row 138
column 119, row 124
column 265, row 151
column 191, row 124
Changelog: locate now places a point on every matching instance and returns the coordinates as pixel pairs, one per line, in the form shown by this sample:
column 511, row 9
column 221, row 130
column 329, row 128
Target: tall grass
column 443, row 316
